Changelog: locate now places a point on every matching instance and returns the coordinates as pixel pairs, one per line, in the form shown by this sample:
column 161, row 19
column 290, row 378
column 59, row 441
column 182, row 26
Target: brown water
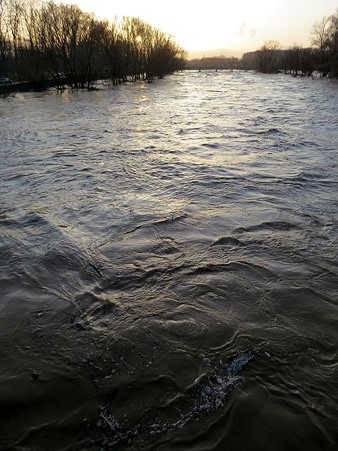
column 168, row 266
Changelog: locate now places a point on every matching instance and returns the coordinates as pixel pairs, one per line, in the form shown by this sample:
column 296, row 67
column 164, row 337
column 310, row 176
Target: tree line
column 46, row 41
column 271, row 59
column 322, row 57
column 212, row 62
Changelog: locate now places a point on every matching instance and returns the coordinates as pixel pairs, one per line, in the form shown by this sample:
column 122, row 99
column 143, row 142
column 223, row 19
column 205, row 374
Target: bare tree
column 321, row 39
column 268, row 57
column 43, row 40
column 5, row 44
column 334, row 45
column 325, row 39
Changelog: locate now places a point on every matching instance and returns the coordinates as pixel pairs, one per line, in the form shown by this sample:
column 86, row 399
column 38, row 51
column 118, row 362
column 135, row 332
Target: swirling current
column 168, row 265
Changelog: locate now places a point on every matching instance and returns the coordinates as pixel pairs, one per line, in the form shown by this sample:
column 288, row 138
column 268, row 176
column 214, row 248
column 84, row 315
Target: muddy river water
column 169, row 266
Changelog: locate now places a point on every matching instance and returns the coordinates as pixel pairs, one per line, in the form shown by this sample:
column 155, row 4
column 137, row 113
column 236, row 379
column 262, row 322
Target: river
column 169, row 265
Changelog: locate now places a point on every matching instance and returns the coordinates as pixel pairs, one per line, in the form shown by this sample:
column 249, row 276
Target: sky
column 238, row 25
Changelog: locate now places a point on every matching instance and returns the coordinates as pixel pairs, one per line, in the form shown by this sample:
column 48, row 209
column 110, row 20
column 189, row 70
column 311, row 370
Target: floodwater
column 169, row 266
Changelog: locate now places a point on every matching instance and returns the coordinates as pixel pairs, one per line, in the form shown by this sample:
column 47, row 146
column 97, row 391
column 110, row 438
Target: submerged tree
column 59, row 41
column 268, row 57
column 325, row 40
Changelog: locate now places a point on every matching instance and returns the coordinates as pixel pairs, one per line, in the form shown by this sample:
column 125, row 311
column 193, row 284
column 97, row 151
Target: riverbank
column 22, row 86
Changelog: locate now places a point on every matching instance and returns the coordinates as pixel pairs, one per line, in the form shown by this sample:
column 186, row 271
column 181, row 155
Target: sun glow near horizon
column 219, row 24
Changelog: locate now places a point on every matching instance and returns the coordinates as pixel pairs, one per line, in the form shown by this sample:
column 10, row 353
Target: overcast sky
column 222, row 24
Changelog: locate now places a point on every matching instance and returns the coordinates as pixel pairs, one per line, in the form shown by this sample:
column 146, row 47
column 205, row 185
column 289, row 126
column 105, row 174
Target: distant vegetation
column 46, row 43
column 218, row 62
column 295, row 60
column 270, row 58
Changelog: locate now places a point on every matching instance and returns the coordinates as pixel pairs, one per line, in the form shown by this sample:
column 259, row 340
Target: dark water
column 168, row 266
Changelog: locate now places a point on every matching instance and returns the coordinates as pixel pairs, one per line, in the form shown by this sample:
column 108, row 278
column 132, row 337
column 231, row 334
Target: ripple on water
column 168, row 265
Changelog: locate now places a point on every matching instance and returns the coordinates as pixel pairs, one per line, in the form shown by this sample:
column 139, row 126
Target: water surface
column 168, row 266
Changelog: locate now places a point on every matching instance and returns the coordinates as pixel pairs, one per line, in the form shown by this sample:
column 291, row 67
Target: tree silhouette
column 268, row 57
column 59, row 43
